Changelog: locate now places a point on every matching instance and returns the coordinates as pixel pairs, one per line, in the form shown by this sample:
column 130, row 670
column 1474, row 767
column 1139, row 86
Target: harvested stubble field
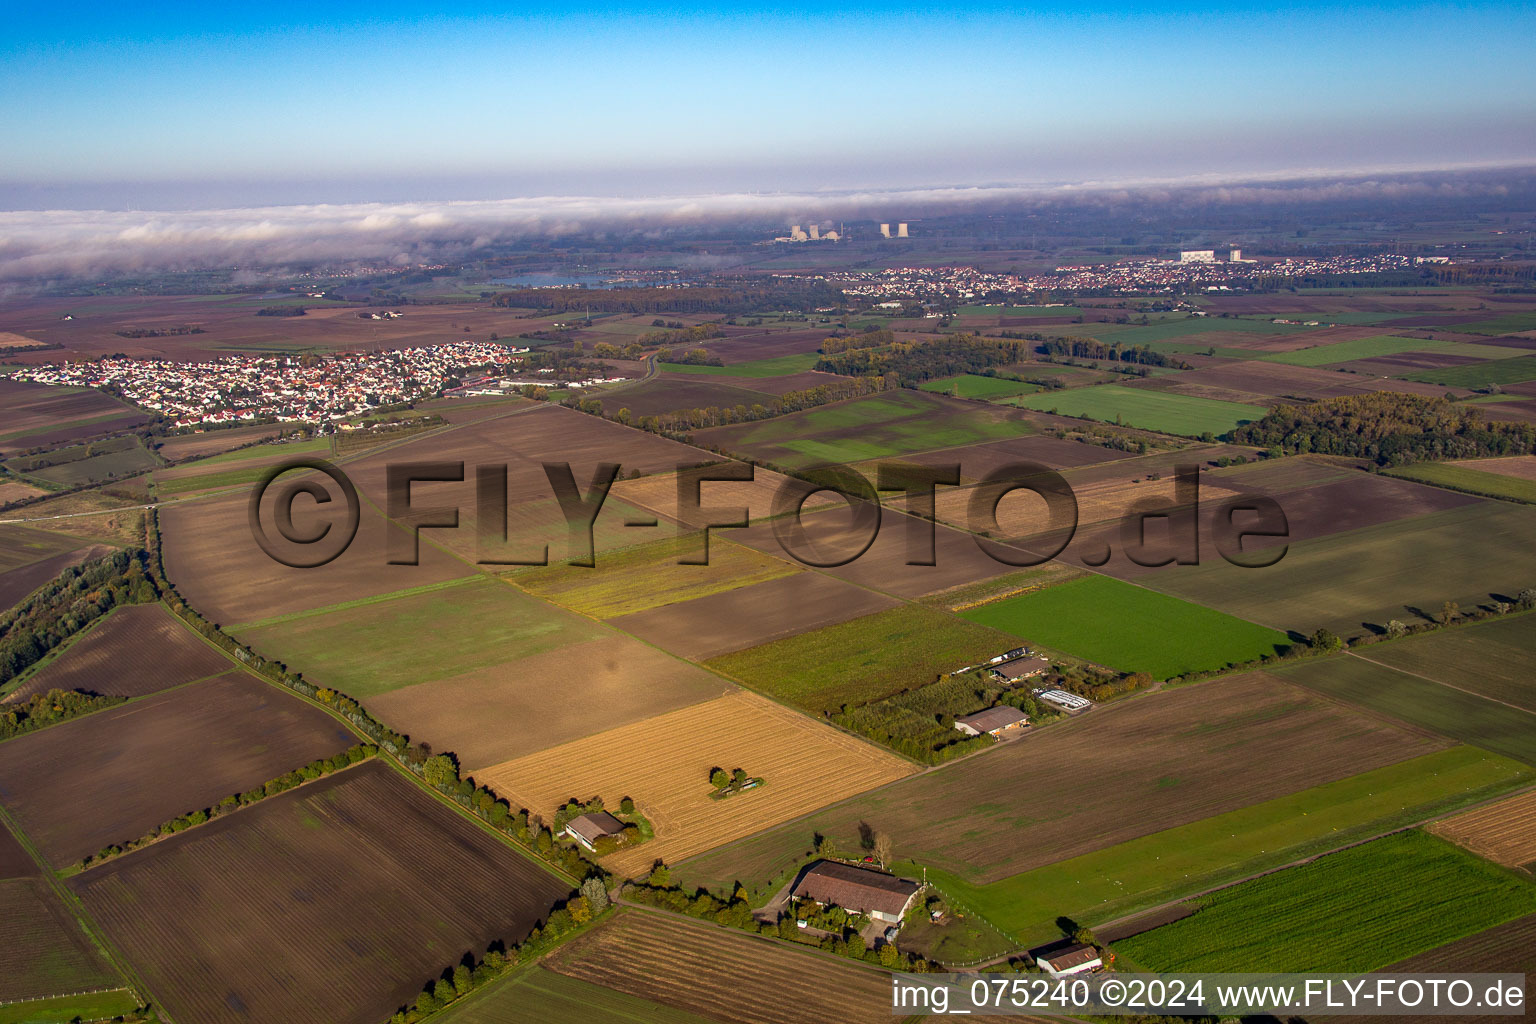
column 741, row 979
column 517, row 707
column 650, row 576
column 1157, row 762
column 1368, row 576
column 369, row 647
column 116, row 774
column 1495, row 659
column 1356, row 910
column 864, row 659
column 354, row 891
column 664, row 764
column 873, row 427
column 1465, row 716
column 537, row 995
column 1503, row 832
column 723, row 623
column 1119, row 880
column 217, row 566
column 43, row 950
column 136, row 650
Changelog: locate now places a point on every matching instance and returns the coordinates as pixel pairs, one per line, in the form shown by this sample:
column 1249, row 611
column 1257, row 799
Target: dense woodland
column 1091, row 348
column 912, row 362
column 1389, row 428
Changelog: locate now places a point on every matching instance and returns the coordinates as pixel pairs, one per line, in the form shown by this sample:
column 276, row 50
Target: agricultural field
column 1121, row 880
column 114, row 775
column 218, row 568
column 1152, row 410
column 876, row 426
column 664, row 764
column 1129, row 628
column 1357, row 910
column 1193, row 327
column 1503, row 832
column 37, row 415
column 117, row 460
column 371, row 646
column 658, row 493
column 537, row 995
column 44, row 950
column 1480, row 375
column 16, row 583
column 736, row 978
column 1465, row 716
column 732, row 620
column 1158, row 762
column 1356, row 581
column 1495, row 659
column 650, row 576
column 1514, row 323
column 355, row 890
column 774, row 366
column 1469, row 477
column 863, row 659
column 1384, row 345
column 203, row 443
column 136, row 650
column 667, row 392
column 970, row 385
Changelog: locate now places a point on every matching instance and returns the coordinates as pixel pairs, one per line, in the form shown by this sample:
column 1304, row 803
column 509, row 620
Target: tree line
column 45, row 709
column 1114, row 352
column 1389, row 428
column 317, row 768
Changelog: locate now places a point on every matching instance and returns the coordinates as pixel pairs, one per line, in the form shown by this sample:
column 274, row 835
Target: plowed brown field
column 1504, row 832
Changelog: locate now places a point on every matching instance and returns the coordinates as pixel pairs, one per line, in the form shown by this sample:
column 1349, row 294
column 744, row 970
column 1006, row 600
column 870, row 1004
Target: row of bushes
column 317, row 768
column 587, row 907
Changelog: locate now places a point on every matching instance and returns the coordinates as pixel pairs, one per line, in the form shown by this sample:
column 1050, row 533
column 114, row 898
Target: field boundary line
column 1439, row 682
column 86, row 923
column 341, row 606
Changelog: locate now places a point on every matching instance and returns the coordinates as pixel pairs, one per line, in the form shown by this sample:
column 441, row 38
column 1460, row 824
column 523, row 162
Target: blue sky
column 384, row 101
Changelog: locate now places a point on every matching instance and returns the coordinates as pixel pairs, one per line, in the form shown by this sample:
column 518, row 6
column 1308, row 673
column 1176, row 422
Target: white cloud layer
column 55, row 244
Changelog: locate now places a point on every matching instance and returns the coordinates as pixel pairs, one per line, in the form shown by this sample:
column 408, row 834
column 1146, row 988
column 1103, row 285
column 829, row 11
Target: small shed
column 589, row 828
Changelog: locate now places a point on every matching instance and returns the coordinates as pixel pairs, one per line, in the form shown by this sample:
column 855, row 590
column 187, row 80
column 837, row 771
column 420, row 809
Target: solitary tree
column 596, row 893
column 718, row 778
column 882, row 848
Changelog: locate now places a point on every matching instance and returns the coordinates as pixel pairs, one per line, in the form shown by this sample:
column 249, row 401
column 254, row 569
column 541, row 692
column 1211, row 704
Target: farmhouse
column 1022, row 668
column 589, row 828
column 993, row 721
column 1074, row 959
column 875, row 894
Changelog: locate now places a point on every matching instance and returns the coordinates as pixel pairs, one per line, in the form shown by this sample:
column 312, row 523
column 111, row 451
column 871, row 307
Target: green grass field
column 1373, row 574
column 1496, row 658
column 1469, row 480
column 874, row 427
column 1382, row 345
column 1152, row 410
column 1356, row 910
column 371, row 647
column 1479, row 375
column 1455, row 713
column 1129, row 628
column 649, row 576
column 1514, row 323
column 863, row 659
column 63, row 1009
column 778, row 366
column 1143, row 873
column 263, row 451
column 534, row 995
column 971, row 385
